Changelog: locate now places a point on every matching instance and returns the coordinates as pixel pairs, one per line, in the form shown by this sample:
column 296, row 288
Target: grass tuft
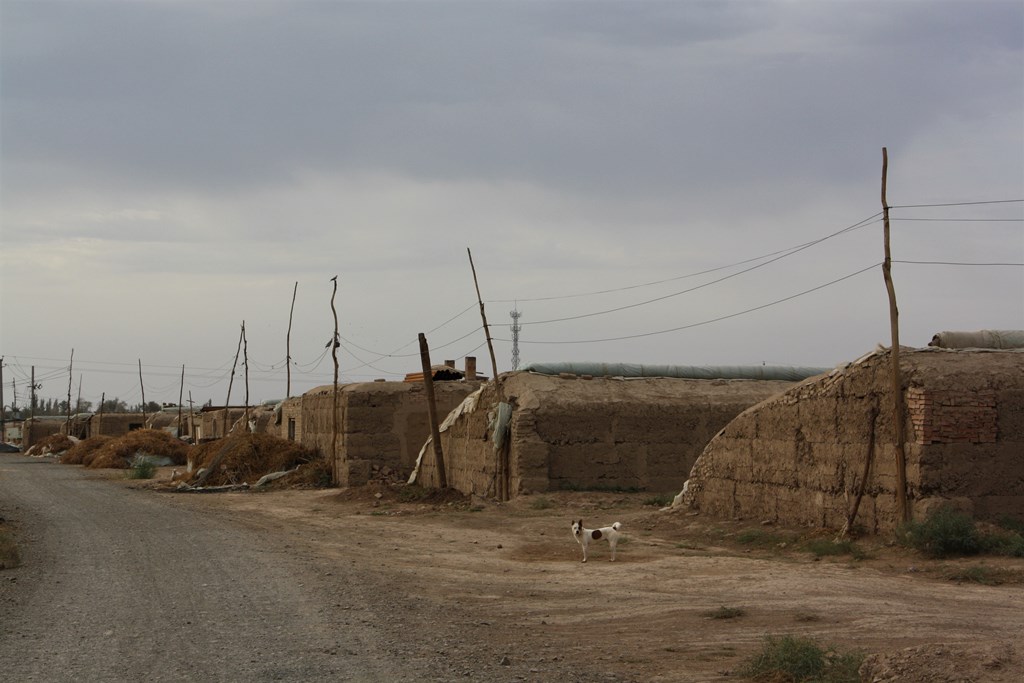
column 792, row 659
column 141, row 468
column 724, row 612
column 946, row 532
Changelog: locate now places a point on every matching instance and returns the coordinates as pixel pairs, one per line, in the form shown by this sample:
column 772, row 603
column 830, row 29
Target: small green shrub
column 1011, row 524
column 724, row 612
column 141, row 468
column 661, row 501
column 788, row 658
column 978, row 573
column 946, row 532
column 823, row 547
column 541, row 503
column 1010, row 544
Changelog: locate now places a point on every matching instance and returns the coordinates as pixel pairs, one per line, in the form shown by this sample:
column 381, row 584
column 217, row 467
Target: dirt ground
column 687, row 599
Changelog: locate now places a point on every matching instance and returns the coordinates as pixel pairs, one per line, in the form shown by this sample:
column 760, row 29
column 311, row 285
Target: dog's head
column 577, row 528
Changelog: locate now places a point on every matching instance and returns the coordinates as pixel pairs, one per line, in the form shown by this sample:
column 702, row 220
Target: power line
column 867, row 221
column 712, row 320
column 785, row 254
column 962, row 220
column 955, row 263
column 925, row 206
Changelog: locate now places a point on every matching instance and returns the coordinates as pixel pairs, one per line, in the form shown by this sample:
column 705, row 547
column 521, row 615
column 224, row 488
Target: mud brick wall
column 291, row 410
column 379, row 423
column 114, row 424
column 600, row 433
column 212, row 422
column 798, row 458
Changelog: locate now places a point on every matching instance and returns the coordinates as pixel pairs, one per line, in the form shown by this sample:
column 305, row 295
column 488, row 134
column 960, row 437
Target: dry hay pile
column 85, row 449
column 244, row 458
column 55, row 443
column 118, row 453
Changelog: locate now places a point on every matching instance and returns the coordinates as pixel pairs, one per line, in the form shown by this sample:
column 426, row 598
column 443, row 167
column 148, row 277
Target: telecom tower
column 515, row 337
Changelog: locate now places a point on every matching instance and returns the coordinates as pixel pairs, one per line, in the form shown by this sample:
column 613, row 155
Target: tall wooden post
column 334, row 343
column 245, row 364
column 32, row 405
column 99, row 419
column 288, row 343
column 191, row 419
column 3, row 409
column 487, row 330
column 181, row 393
column 142, row 388
column 231, row 381
column 897, row 380
column 435, row 433
column 71, row 365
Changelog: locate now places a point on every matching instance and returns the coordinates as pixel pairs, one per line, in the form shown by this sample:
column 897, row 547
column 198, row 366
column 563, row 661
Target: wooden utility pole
column 487, row 330
column 897, row 380
column 245, row 364
column 3, row 409
column 181, row 393
column 231, row 380
column 334, row 343
column 71, row 365
column 288, row 343
column 435, row 433
column 32, row 404
column 142, row 388
column 99, row 421
column 191, row 419
column 501, row 464
column 78, row 400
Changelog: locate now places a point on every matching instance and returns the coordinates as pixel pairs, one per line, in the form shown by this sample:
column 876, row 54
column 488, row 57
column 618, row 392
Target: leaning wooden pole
column 487, row 329
column 227, row 401
column 897, row 381
column 71, row 365
column 851, row 517
column 181, row 395
column 334, row 344
column 435, row 432
column 245, row 364
column 288, row 344
column 142, row 388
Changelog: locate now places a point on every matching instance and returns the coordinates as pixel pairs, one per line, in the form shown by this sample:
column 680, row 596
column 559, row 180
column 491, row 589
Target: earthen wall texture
column 380, row 424
column 212, row 422
column 599, row 433
column 799, row 458
column 291, row 410
column 114, row 424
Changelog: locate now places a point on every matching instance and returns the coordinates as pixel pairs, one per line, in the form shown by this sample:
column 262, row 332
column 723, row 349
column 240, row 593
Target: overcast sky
column 171, row 168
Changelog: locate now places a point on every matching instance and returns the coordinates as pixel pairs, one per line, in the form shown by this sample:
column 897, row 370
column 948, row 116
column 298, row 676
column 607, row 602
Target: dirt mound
column 938, row 663
column 244, row 458
column 77, row 454
column 118, row 453
column 55, row 443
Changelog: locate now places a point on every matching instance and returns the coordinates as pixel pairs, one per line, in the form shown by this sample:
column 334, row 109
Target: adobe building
column 572, row 431
column 799, row 458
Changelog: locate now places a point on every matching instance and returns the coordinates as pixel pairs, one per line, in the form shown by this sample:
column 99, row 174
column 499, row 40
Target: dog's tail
column 617, row 526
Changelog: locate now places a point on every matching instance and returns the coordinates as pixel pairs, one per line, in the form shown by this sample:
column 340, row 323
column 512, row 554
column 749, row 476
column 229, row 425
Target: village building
column 799, row 458
column 633, row 428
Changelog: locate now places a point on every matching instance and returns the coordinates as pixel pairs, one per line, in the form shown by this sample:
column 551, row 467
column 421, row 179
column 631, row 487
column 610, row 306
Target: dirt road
column 121, row 582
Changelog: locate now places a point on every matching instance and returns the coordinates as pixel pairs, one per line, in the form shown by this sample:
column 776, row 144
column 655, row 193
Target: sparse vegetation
column 978, row 573
column 948, row 532
column 663, row 500
column 541, row 503
column 141, row 468
column 724, row 612
column 824, row 547
column 791, row 659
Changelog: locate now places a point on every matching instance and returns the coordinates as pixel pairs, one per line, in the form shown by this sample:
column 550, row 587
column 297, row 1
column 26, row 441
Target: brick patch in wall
column 949, row 416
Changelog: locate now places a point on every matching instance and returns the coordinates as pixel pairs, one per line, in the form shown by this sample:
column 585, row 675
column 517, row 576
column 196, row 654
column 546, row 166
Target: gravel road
column 119, row 584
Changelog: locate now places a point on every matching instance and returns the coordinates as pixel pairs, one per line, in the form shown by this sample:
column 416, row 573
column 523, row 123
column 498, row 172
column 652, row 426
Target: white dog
column 584, row 536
